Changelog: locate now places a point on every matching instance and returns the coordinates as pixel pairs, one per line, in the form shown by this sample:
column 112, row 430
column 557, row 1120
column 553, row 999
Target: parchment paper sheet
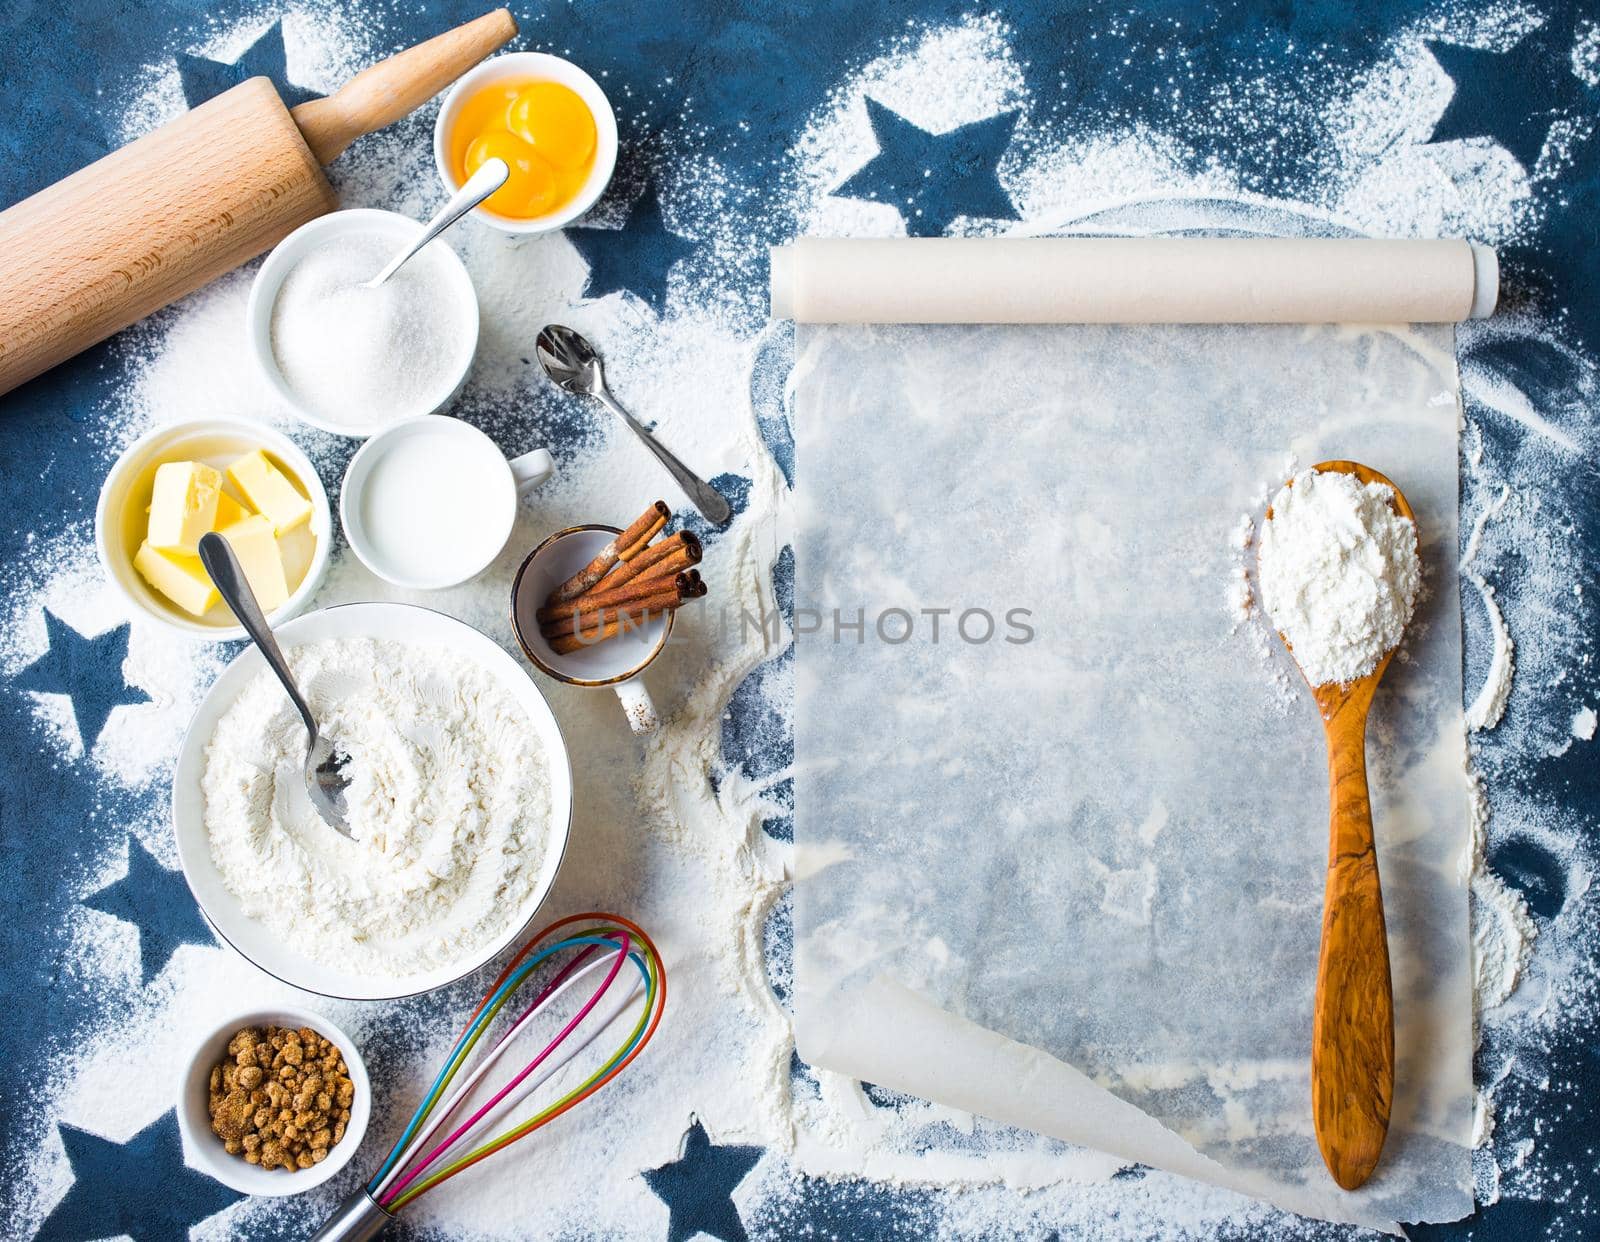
column 1104, row 850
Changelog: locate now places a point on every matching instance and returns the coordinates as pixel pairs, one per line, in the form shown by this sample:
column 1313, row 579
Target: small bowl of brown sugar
column 274, row 1102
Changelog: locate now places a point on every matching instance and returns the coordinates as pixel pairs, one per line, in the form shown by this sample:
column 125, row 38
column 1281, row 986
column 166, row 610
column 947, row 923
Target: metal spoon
column 489, row 178
column 1352, row 1036
column 325, row 782
column 571, row 362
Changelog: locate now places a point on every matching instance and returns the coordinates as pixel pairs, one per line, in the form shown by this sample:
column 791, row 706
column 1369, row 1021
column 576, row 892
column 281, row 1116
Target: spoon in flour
column 489, row 178
column 325, row 780
column 1352, row 1039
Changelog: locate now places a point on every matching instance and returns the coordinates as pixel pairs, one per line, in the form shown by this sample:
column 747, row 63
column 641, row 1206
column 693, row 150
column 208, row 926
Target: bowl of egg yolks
column 548, row 120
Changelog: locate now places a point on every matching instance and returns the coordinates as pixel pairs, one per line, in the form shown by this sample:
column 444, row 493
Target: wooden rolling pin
column 194, row 199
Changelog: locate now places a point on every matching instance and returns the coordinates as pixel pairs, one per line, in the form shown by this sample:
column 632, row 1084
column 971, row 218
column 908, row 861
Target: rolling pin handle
column 385, row 92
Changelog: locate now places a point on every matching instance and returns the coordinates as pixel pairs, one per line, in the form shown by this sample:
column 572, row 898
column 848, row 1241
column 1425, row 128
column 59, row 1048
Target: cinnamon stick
column 650, row 524
column 566, row 644
column 564, row 637
column 624, row 547
column 620, row 588
column 589, row 618
column 673, row 563
column 597, row 631
column 625, row 596
column 685, row 541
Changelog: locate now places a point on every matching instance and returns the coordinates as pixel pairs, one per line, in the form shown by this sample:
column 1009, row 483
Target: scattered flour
column 1247, row 620
column 1489, row 704
column 1339, row 573
column 1238, row 597
column 699, row 871
column 1502, row 930
column 449, row 807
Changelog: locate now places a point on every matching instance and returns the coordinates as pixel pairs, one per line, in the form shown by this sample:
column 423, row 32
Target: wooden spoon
column 1352, row 1034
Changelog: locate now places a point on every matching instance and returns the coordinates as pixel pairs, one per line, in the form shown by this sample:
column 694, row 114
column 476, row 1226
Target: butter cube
column 229, row 511
column 270, row 491
column 178, row 576
column 183, row 505
column 253, row 542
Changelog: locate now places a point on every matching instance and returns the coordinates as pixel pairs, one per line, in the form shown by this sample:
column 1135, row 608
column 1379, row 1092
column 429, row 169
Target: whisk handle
column 360, row 1218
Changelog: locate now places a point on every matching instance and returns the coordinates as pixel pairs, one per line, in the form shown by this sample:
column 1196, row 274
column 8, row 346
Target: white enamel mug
column 618, row 661
column 430, row 502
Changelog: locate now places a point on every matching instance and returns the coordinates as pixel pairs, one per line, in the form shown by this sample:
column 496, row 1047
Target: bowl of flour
column 460, row 803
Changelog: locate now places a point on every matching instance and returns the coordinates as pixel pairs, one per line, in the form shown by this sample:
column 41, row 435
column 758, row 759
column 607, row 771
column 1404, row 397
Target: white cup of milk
column 430, row 502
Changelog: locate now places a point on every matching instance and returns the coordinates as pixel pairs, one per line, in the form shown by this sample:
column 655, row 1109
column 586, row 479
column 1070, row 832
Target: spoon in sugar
column 1352, row 1034
column 489, row 178
column 324, row 775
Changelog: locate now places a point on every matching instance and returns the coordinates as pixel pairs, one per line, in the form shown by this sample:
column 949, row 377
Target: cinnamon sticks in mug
column 628, row 582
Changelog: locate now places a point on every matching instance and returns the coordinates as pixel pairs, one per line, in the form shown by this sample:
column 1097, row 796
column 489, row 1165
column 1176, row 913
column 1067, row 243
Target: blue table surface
column 754, row 72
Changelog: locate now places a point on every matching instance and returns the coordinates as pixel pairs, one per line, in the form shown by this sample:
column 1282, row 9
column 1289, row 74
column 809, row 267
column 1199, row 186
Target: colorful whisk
column 609, row 966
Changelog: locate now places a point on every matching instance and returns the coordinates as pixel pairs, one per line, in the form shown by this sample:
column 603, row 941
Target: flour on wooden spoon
column 1339, row 573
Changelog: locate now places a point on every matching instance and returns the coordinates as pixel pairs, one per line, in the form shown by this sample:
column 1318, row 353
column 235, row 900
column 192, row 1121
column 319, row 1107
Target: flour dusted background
column 742, row 127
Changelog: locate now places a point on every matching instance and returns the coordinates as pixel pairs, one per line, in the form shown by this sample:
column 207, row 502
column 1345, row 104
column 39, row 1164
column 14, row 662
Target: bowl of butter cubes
column 243, row 480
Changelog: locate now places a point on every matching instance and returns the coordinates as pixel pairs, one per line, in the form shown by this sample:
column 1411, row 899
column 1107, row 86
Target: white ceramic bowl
column 532, row 66
column 394, row 228
column 119, row 525
column 204, row 1149
column 401, row 623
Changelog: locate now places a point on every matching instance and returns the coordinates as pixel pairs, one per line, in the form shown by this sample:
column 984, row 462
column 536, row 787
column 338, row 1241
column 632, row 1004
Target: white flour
column 449, row 805
column 1339, row 573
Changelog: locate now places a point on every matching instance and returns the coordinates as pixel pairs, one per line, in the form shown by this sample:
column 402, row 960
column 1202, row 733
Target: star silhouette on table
column 158, row 903
column 1512, row 96
column 88, row 670
column 698, row 1187
column 204, row 78
column 140, row 1188
column 637, row 258
column 933, row 178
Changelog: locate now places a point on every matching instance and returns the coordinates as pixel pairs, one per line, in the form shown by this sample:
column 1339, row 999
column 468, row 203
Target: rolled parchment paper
column 1132, row 280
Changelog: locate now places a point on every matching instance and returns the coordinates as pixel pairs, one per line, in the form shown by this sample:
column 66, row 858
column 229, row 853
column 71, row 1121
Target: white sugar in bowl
column 351, row 360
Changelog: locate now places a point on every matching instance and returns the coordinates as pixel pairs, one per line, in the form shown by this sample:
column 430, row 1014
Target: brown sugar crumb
column 281, row 1097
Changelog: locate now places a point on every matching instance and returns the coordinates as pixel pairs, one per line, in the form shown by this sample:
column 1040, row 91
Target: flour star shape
column 204, row 78
column 637, row 258
column 1512, row 96
column 933, row 178
column 87, row 670
column 140, row 1188
column 698, row 1187
column 158, row 903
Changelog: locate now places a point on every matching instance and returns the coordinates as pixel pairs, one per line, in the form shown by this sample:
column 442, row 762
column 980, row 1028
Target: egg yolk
column 532, row 189
column 542, row 130
column 555, row 122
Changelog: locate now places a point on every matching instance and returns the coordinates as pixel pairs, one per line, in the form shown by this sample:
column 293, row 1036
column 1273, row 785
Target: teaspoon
column 325, row 780
column 489, row 178
column 569, row 360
